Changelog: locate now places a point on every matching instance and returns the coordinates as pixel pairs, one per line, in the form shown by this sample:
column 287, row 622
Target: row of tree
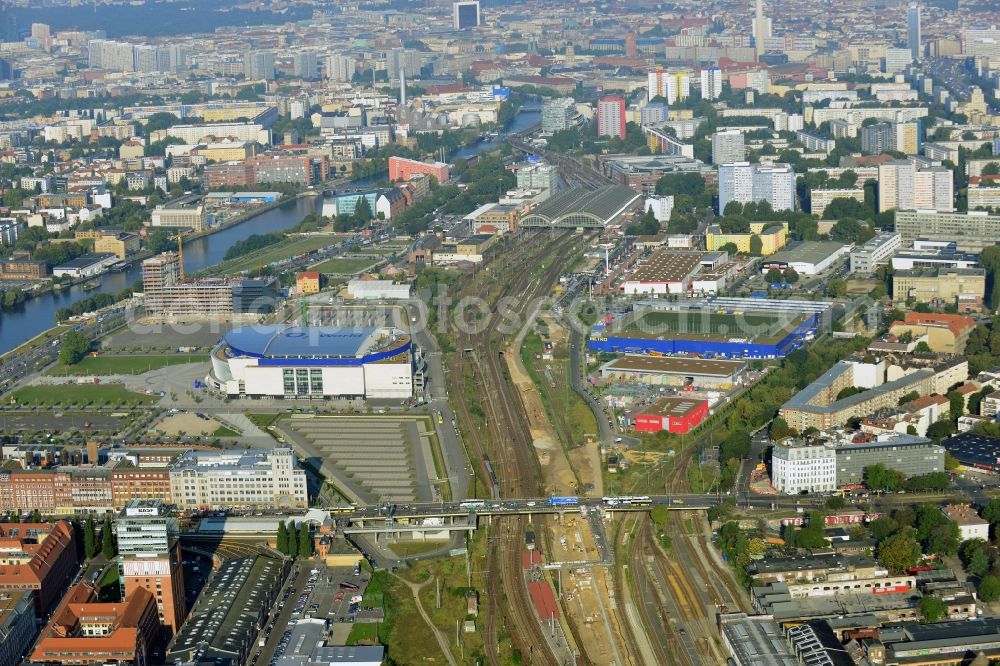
column 294, row 542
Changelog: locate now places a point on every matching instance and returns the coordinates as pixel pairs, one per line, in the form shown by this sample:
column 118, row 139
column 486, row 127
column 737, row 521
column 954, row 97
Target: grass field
column 263, row 420
column 709, row 325
column 344, row 265
column 286, row 249
column 122, row 365
column 80, row 394
column 407, row 637
column 223, row 431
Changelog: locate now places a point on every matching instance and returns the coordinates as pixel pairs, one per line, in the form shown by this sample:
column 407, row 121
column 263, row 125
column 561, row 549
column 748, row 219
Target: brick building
column 39, row 557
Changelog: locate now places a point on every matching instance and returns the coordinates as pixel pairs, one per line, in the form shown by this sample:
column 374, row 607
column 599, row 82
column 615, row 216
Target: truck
column 564, row 501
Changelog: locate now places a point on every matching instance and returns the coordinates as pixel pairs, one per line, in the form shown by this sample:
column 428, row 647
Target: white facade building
column 662, row 207
column 876, row 252
column 220, row 479
column 810, row 468
column 711, row 82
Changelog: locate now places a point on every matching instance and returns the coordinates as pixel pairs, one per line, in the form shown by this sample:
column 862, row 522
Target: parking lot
column 313, row 591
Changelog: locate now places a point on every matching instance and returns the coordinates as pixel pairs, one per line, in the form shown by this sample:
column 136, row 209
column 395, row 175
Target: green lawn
column 123, row 365
column 263, row 420
column 344, row 265
column 80, row 394
column 286, row 249
column 223, row 431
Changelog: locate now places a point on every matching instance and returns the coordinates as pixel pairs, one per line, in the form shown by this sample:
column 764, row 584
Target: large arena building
column 314, row 362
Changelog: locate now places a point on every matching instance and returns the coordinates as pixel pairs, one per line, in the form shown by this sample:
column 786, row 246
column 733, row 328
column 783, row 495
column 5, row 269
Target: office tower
column 258, row 65
column 558, row 114
column 611, row 117
column 304, row 65
column 913, row 32
column 340, row 68
column 711, row 82
column 877, row 138
column 728, row 147
column 896, row 60
column 744, row 182
column 761, row 29
column 465, row 14
column 149, row 557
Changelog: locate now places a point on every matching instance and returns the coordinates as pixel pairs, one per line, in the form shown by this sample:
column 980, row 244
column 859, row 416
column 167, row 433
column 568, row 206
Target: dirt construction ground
column 187, row 423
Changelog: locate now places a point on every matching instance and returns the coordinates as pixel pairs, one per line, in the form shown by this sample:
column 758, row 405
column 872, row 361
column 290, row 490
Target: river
column 38, row 314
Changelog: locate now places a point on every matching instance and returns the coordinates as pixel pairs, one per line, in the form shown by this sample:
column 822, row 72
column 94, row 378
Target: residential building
column 970, row 524
column 971, row 231
column 877, row 138
column 662, row 207
column 728, row 147
column 611, row 117
column 711, row 82
column 558, row 114
column 814, row 142
column 22, row 269
column 299, row 169
column 149, row 557
column 236, row 174
column 39, row 557
column 83, row 630
column 744, row 182
column 203, row 479
column 903, row 186
column 983, row 193
column 798, row 467
column 875, row 252
column 401, row 168
column 944, row 333
column 964, row 287
column 672, row 86
column 819, row 199
column 538, row 177
column 258, row 65
column 896, row 60
column 907, row 137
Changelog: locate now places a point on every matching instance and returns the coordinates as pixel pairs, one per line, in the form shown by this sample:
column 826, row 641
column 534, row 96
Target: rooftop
column 673, row 407
column 601, row 206
column 756, row 640
column 809, row 252
column 295, row 341
column 677, row 364
column 666, row 266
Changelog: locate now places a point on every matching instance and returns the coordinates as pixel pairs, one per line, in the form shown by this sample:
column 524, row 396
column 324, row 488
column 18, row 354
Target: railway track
column 506, row 439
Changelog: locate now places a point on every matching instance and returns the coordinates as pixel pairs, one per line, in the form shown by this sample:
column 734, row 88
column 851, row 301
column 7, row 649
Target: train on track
column 492, row 477
column 628, row 500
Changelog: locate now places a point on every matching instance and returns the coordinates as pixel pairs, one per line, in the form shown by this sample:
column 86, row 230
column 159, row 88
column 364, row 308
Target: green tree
column 898, row 552
column 363, row 211
column 975, row 557
column 956, row 402
column 282, row 545
column 837, row 288
column 991, row 512
column 36, row 516
column 923, row 347
column 89, row 538
column 932, row 610
column 773, row 276
column 791, row 275
column 74, row 347
column 989, row 588
column 940, row 430
column 879, row 477
column 756, row 246
column 108, row 541
column 305, row 541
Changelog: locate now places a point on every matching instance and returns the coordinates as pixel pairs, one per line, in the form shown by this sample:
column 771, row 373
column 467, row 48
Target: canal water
column 38, row 314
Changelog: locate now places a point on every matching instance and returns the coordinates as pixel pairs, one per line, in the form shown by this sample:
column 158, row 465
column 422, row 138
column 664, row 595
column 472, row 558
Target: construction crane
column 180, row 256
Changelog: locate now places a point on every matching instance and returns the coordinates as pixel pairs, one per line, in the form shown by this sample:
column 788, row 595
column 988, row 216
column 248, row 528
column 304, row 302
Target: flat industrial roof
column 676, row 365
column 809, row 252
column 666, row 266
column 971, row 447
column 673, row 407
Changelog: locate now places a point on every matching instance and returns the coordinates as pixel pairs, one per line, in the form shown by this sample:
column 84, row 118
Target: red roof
column 957, row 324
column 544, row 599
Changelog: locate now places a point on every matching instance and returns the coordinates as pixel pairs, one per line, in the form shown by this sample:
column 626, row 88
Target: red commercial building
column 230, row 174
column 611, row 117
column 676, row 415
column 401, row 168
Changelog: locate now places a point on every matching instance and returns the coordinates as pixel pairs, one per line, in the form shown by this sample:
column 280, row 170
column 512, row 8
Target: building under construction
column 169, row 294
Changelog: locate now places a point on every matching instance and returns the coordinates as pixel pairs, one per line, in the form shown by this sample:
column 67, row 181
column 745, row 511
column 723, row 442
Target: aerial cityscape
column 500, row 332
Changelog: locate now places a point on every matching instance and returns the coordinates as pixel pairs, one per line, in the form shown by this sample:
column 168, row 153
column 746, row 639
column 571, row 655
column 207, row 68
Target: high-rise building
column 982, row 41
column 876, row 138
column 761, row 28
column 149, row 556
column 672, row 86
column 304, row 65
column 258, row 65
column 465, row 14
column 906, row 137
column 340, row 68
column 913, row 37
column 611, row 117
column 145, row 58
column 902, row 186
column 111, row 55
column 711, row 82
column 558, row 114
column 744, row 182
column 728, row 147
